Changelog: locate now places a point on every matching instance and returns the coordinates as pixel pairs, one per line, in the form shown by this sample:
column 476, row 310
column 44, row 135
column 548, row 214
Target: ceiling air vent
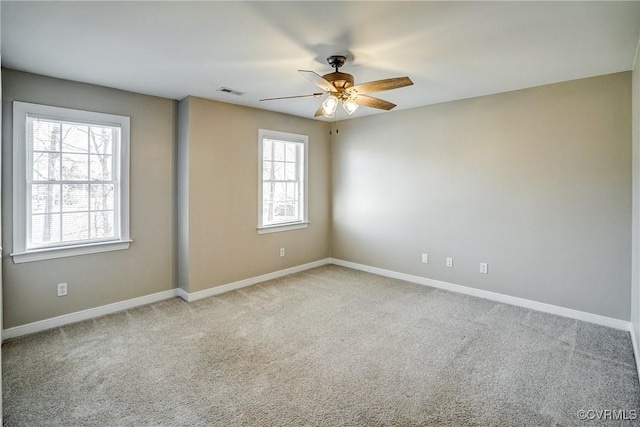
column 229, row 90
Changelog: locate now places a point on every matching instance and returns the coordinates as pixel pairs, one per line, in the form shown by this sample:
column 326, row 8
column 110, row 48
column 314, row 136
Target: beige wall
column 535, row 182
column 94, row 280
column 218, row 159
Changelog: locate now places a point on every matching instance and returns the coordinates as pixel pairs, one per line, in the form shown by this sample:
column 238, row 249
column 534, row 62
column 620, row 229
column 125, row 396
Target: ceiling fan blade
column 318, row 111
column 370, row 101
column 317, row 80
column 381, row 85
column 313, row 95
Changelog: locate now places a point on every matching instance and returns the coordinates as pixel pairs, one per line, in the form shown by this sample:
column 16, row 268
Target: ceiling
column 451, row 50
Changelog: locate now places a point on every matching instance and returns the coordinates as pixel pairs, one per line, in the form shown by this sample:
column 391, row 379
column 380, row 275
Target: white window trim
column 292, row 137
column 20, row 253
column 282, row 227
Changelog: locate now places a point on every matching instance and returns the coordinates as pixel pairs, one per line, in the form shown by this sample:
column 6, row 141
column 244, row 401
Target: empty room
column 320, row 213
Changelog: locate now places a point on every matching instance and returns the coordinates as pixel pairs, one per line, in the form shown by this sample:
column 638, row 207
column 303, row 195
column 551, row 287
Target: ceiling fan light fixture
column 341, row 88
column 329, row 106
column 349, row 106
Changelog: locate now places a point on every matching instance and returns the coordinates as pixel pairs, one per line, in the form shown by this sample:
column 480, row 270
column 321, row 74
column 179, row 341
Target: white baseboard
column 193, row 296
column 182, row 294
column 91, row 313
column 636, row 351
column 494, row 296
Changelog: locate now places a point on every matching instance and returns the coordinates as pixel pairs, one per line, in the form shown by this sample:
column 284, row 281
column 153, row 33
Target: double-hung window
column 282, row 187
column 70, row 183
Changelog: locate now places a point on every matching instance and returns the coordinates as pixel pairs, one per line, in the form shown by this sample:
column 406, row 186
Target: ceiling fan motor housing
column 339, row 80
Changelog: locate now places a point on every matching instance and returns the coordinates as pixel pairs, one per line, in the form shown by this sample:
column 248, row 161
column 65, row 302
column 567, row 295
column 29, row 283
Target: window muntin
column 282, row 187
column 71, row 173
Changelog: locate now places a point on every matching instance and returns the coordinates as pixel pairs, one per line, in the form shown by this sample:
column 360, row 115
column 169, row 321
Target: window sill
column 283, row 227
column 68, row 251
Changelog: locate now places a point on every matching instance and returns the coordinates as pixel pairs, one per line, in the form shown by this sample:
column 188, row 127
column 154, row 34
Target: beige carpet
column 329, row 346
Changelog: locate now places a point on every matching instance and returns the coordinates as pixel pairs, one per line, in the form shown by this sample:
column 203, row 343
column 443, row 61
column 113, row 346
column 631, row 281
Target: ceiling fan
column 341, row 88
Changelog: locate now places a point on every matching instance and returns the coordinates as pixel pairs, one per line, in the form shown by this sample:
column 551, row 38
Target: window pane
column 45, row 198
column 267, row 146
column 290, row 171
column 278, row 171
column 266, row 213
column 290, row 152
column 279, row 212
column 102, row 196
column 75, row 226
column 75, row 138
column 101, row 167
column 291, row 211
column 45, row 229
column 46, row 166
column 101, row 140
column 75, row 167
column 75, row 197
column 267, row 168
column 292, row 194
column 278, row 153
column 102, row 225
column 46, row 135
column 280, row 192
column 267, row 194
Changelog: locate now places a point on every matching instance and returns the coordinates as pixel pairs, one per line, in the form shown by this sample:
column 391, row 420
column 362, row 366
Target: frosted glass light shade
column 349, row 106
column 329, row 106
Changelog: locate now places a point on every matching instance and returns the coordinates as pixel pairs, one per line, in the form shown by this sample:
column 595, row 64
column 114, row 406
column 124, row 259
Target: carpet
column 325, row 347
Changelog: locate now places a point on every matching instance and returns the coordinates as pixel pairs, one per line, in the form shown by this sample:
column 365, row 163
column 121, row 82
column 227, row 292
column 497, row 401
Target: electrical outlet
column 449, row 262
column 281, row 251
column 484, row 268
column 62, row 289
column 425, row 258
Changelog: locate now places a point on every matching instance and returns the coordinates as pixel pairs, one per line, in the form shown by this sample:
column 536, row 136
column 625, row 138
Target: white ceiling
column 451, row 50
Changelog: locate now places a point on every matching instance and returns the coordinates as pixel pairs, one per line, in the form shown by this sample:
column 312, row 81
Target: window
column 70, row 182
column 282, row 190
